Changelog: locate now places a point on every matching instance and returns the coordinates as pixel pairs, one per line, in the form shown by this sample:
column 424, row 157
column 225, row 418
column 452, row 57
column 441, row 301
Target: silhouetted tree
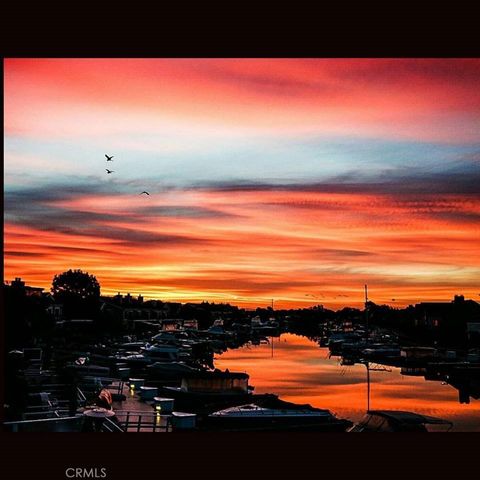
column 78, row 291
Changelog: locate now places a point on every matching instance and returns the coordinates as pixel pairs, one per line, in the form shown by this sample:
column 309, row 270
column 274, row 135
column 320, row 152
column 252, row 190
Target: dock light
column 164, row 405
column 135, row 383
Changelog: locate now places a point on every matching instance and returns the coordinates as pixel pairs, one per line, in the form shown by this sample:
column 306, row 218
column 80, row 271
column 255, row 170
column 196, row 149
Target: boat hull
column 204, row 403
column 274, row 423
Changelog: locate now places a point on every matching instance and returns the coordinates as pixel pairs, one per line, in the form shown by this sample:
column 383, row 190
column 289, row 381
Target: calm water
column 300, row 371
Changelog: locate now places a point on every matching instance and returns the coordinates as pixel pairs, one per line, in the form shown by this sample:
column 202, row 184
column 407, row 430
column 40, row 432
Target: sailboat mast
column 368, row 387
column 366, row 313
column 367, row 335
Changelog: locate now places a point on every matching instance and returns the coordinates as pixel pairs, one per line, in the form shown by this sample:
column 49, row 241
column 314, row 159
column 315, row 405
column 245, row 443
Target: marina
column 333, row 382
column 263, row 370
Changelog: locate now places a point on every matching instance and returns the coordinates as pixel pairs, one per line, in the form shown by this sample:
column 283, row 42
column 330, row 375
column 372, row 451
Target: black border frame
column 81, row 30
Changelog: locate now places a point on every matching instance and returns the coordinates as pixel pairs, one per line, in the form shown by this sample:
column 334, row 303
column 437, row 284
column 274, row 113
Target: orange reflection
column 300, row 371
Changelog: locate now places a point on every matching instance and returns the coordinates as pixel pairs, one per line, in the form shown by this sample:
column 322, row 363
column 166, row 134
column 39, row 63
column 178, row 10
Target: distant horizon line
column 252, row 305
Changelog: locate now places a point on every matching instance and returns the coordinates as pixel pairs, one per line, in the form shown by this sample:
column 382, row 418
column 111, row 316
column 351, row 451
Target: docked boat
column 337, row 339
column 151, row 354
column 183, row 340
column 88, row 369
column 169, row 371
column 399, row 421
column 170, row 335
column 381, row 351
column 131, row 346
column 418, row 356
column 269, row 327
column 219, row 333
column 162, row 353
column 207, row 391
column 278, row 415
column 135, row 361
column 466, row 369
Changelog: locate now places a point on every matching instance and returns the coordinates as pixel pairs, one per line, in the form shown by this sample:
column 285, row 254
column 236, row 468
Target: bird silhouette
column 109, row 171
column 109, row 159
column 144, row 192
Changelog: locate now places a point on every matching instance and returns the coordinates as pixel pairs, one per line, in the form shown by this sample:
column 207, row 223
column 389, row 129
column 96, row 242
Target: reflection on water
column 300, row 371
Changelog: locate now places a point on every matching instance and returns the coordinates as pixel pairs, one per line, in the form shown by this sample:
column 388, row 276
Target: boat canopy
column 215, row 381
column 410, row 418
column 397, row 421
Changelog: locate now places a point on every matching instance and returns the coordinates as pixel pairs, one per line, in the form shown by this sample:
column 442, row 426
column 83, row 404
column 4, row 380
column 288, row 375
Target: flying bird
column 144, row 192
column 109, row 171
column 109, row 159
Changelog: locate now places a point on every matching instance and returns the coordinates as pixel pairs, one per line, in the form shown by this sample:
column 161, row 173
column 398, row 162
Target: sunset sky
column 293, row 179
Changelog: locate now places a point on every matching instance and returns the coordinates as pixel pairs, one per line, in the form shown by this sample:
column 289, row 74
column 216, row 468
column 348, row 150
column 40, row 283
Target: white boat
column 162, row 353
column 255, row 417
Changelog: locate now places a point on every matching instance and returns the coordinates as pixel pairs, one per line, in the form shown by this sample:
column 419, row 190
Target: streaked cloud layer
column 290, row 179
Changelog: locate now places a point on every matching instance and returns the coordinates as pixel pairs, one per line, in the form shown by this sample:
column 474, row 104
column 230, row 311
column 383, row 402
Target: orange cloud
column 416, row 99
column 246, row 247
